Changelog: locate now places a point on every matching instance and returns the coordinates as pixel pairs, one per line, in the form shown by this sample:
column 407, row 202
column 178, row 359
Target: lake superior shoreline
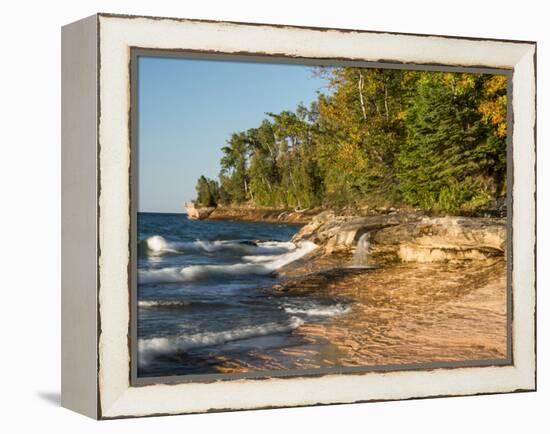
column 430, row 289
column 252, row 214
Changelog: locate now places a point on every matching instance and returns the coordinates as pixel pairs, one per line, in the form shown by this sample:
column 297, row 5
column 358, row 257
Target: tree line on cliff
column 378, row 137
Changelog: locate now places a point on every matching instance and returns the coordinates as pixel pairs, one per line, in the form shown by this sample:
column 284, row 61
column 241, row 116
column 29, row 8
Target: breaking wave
column 261, row 265
column 149, row 348
column 157, row 245
column 179, row 304
column 318, row 310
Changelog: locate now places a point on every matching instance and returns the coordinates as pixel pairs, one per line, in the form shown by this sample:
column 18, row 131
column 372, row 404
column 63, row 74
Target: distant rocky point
column 262, row 214
column 197, row 213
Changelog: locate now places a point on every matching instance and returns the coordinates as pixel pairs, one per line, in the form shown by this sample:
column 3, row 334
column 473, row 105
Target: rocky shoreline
column 392, row 236
column 408, row 237
column 432, row 289
column 426, row 289
column 251, row 214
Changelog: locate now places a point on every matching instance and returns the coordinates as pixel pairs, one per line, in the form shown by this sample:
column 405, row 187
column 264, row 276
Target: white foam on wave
column 276, row 246
column 200, row 272
column 258, row 258
column 318, row 310
column 149, row 348
column 162, row 303
column 157, row 244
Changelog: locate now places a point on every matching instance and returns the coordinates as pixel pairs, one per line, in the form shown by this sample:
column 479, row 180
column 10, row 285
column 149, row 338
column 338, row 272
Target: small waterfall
column 362, row 251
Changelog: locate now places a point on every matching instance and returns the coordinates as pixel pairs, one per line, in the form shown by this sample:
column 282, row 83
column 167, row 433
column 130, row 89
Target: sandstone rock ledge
column 197, row 213
column 409, row 237
column 263, row 214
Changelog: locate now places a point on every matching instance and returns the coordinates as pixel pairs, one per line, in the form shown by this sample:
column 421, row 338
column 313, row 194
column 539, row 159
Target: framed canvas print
column 261, row 216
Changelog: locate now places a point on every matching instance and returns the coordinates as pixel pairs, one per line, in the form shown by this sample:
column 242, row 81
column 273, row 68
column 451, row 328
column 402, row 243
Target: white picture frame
column 97, row 208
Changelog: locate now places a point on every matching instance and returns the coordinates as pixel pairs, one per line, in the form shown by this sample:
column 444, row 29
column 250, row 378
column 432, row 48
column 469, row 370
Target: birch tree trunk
column 386, row 101
column 361, row 99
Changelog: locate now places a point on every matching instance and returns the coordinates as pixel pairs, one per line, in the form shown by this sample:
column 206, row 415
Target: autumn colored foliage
column 428, row 140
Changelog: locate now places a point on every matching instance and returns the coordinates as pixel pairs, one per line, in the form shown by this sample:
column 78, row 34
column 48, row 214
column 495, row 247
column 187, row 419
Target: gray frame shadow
column 137, row 52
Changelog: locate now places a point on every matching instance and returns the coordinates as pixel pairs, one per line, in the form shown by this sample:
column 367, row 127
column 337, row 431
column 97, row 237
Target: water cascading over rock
column 360, row 259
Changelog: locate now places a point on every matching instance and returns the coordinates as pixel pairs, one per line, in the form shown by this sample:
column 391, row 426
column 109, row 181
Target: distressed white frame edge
column 79, row 390
column 117, row 35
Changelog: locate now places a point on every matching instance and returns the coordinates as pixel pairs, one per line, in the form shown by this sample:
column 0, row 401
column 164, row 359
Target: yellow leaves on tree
column 351, row 158
column 493, row 106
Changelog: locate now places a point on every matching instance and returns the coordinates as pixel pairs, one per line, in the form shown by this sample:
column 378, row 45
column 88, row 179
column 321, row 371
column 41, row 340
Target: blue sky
column 187, row 109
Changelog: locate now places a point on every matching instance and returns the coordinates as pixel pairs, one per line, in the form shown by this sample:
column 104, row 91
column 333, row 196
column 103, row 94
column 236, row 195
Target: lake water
column 205, row 297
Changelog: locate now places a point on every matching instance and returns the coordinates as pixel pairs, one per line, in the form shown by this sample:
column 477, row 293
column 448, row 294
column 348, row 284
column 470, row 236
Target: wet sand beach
column 400, row 314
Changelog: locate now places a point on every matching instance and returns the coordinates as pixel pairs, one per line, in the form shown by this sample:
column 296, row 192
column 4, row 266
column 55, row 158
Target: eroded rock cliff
column 409, row 237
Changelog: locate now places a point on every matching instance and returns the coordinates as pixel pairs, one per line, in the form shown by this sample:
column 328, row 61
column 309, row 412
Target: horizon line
column 161, row 212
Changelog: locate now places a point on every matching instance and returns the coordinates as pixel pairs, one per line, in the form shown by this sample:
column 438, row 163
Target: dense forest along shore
column 424, row 140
